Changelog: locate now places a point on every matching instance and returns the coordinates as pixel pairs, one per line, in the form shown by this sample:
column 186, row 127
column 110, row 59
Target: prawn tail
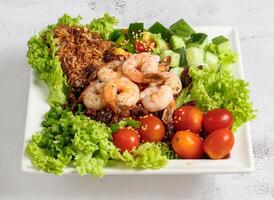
column 167, row 114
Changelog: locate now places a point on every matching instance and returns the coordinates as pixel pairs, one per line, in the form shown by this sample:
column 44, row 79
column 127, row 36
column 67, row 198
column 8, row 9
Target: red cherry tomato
column 188, row 118
column 126, row 139
column 187, row 145
column 152, row 129
column 219, row 143
column 140, row 47
column 217, row 119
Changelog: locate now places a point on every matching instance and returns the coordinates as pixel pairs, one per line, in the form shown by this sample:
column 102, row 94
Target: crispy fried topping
column 81, row 52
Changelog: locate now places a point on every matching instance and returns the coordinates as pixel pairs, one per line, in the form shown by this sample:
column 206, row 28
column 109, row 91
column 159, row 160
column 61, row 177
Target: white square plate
column 241, row 157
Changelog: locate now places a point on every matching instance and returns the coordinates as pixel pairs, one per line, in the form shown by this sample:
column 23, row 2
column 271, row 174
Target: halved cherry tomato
column 140, row 47
column 218, row 143
column 126, row 139
column 187, row 145
column 217, row 119
column 152, row 129
column 188, row 118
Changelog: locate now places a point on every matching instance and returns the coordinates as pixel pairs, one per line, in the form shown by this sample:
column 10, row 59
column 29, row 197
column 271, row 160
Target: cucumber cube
column 218, row 40
column 182, row 53
column 225, row 46
column 177, row 42
column 177, row 70
column 211, row 60
column 175, row 57
column 181, row 28
column 195, row 56
column 157, row 27
column 197, row 40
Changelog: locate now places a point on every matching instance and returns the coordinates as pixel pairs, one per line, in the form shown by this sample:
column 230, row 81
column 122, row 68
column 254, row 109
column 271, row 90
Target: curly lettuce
column 221, row 89
column 146, row 156
column 42, row 57
column 67, row 139
column 103, row 25
column 225, row 57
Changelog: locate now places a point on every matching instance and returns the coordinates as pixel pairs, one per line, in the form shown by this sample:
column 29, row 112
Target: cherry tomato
column 152, row 129
column 139, row 47
column 218, row 143
column 187, row 145
column 126, row 139
column 188, row 118
column 217, row 119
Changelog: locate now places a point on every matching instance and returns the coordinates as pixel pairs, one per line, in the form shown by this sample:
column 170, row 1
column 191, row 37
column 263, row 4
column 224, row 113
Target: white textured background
column 255, row 20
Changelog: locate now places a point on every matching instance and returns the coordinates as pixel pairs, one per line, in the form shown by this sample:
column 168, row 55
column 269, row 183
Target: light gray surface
column 19, row 19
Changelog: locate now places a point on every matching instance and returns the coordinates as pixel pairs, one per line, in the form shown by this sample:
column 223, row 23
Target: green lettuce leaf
column 146, row 156
column 104, row 25
column 226, row 57
column 221, row 89
column 68, row 139
column 42, row 57
column 76, row 140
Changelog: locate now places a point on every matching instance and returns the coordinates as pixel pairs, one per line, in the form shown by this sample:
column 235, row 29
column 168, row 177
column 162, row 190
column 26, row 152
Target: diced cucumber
column 211, row 60
column 115, row 34
column 175, row 60
column 161, row 44
column 157, row 27
column 134, row 30
column 181, row 28
column 197, row 40
column 177, row 42
column 182, row 53
column 195, row 56
column 218, row 40
column 129, row 47
column 177, row 70
column 120, row 39
column 175, row 57
column 225, row 46
column 222, row 43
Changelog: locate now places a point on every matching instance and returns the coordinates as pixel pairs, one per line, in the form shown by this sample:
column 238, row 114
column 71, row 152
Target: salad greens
column 146, row 156
column 104, row 25
column 74, row 140
column 124, row 123
column 42, row 57
column 211, row 89
column 70, row 139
